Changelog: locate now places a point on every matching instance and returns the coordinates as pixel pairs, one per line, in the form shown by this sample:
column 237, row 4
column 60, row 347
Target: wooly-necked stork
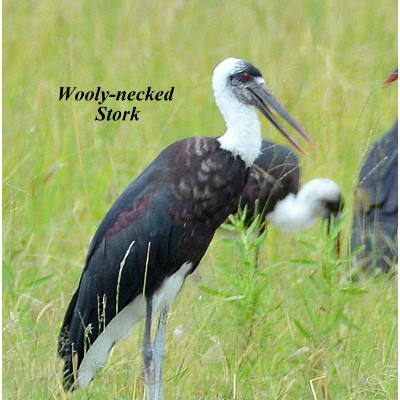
column 375, row 217
column 158, row 230
column 273, row 190
column 376, row 207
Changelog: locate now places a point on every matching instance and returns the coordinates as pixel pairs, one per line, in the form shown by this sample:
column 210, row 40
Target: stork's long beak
column 263, row 99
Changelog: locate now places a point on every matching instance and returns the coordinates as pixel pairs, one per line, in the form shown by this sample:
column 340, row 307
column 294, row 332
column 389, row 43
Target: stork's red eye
column 246, row 76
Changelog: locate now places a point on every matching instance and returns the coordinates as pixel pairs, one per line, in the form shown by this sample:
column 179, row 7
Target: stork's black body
column 275, row 174
column 159, row 229
column 376, row 206
column 167, row 201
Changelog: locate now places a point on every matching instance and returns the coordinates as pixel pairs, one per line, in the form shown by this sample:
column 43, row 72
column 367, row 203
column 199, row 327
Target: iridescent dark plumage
column 178, row 196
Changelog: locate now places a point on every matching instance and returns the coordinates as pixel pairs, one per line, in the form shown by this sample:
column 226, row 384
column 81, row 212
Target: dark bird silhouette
column 375, row 219
column 376, row 207
column 158, row 230
column 273, row 190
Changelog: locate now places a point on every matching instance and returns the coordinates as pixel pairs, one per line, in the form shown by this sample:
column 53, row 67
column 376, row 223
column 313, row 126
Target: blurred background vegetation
column 235, row 332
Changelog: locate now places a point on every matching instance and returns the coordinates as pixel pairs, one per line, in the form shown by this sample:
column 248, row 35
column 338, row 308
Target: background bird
column 273, row 190
column 376, row 207
column 158, row 230
column 375, row 220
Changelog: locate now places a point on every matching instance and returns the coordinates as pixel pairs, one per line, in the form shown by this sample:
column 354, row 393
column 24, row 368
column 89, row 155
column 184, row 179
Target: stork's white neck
column 243, row 134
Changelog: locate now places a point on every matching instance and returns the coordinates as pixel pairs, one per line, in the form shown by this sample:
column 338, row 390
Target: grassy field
column 235, row 332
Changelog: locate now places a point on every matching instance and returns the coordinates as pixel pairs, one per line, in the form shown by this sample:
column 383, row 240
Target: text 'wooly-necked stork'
column 273, row 191
column 158, row 230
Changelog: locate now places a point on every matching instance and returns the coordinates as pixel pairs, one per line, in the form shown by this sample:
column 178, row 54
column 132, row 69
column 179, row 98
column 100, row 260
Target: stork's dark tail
column 65, row 348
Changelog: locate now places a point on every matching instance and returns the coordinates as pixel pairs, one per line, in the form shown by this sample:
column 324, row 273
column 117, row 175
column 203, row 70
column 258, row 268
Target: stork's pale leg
column 159, row 353
column 148, row 353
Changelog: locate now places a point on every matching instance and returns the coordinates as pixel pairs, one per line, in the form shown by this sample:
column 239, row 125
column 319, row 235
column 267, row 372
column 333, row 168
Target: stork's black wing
column 165, row 218
column 130, row 239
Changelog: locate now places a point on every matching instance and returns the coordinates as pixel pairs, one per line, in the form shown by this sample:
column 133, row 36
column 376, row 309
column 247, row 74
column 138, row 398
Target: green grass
column 246, row 333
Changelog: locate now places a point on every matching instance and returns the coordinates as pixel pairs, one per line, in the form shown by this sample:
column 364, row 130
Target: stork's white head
column 239, row 88
column 230, row 78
